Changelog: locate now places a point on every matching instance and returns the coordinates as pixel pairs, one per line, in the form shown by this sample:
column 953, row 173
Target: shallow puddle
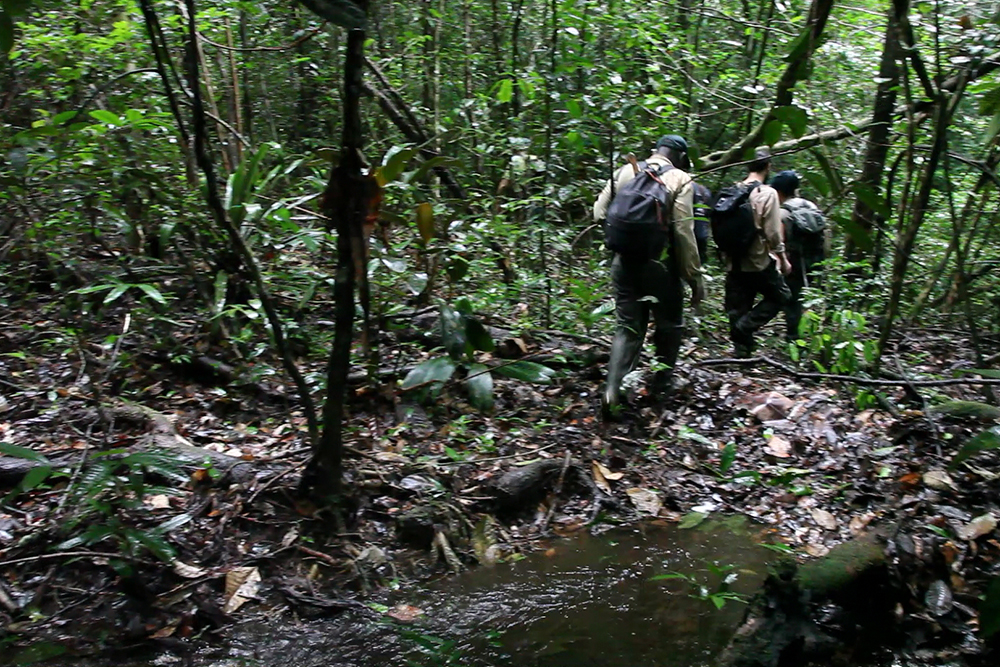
column 589, row 601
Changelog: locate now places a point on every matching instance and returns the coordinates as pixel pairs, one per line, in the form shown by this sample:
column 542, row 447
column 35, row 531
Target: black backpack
column 805, row 233
column 638, row 217
column 733, row 228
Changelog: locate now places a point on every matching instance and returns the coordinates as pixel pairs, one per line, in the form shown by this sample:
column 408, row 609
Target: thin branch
column 298, row 42
column 854, row 379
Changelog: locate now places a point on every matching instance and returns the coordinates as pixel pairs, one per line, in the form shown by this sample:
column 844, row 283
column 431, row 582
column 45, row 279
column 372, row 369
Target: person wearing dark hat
column 759, row 272
column 805, row 239
column 645, row 287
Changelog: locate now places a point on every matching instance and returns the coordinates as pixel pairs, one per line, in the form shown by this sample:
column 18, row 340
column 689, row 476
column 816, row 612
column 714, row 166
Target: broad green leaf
column 858, row 234
column 989, row 611
column 395, row 163
column 985, row 372
column 61, row 118
column 793, row 117
column 21, row 452
column 799, row 46
column 772, row 132
column 527, row 371
column 464, row 305
column 115, row 293
column 983, row 442
column 453, row 332
column 573, row 107
column 106, row 117
column 819, row 182
column 420, row 173
column 870, row 197
column 669, row 576
column 35, row 477
column 153, row 293
column 425, row 221
column 439, row 369
column 505, row 92
column 727, row 458
column 692, row 520
column 478, row 336
column 603, row 309
column 479, row 385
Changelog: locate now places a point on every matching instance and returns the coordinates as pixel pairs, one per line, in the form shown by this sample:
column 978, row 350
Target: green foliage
column 463, row 336
column 712, row 584
column 108, row 483
column 982, row 442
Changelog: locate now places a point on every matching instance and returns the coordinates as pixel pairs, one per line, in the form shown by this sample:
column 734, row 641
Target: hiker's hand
column 697, row 292
column 785, row 265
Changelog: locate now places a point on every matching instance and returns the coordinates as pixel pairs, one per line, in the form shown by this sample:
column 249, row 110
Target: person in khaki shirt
column 760, row 272
column 644, row 287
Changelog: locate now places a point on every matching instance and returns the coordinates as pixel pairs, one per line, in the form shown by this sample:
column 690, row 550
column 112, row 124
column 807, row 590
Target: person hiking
column 805, row 239
column 651, row 260
column 746, row 227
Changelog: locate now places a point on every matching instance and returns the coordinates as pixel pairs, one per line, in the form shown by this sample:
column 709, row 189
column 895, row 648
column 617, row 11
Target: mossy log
column 779, row 627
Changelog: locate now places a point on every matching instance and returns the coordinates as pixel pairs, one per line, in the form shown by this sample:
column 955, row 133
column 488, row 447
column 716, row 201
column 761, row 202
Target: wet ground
column 592, row 600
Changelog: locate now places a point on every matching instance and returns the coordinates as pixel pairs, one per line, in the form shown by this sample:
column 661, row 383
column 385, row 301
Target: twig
column 556, row 492
column 71, row 554
column 250, row 49
column 498, row 458
column 833, row 377
column 274, row 479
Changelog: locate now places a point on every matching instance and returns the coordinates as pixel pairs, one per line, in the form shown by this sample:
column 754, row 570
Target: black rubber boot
column 668, row 349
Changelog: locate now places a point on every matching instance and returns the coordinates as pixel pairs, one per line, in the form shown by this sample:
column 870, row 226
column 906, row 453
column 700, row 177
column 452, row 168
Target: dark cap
column 762, row 153
column 785, row 182
column 674, row 142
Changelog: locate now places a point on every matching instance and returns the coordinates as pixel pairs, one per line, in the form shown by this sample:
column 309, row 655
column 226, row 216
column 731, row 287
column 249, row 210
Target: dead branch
column 854, row 379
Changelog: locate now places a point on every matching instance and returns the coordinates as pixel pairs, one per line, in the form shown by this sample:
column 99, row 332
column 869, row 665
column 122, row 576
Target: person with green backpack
column 647, row 212
column 806, row 241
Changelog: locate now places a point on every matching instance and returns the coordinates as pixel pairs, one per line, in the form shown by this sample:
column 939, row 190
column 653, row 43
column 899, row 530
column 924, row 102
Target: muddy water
column 585, row 601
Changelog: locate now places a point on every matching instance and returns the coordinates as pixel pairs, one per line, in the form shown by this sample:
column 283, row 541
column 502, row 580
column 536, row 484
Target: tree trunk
column 877, row 149
column 349, row 202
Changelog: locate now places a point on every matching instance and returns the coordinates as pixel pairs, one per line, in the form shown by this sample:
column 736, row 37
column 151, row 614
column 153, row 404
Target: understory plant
column 463, row 335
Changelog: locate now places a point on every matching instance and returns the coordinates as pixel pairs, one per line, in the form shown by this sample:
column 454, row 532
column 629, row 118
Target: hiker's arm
column 774, row 231
column 603, row 200
column 686, row 245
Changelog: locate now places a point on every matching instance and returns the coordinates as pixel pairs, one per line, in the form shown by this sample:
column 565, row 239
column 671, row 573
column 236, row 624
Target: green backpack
column 805, row 232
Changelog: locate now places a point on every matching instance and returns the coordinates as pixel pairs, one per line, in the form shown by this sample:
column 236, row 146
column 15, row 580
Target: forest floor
column 106, row 551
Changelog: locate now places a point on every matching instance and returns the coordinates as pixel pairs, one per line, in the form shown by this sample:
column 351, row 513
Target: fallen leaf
column 981, row 525
column 779, row 447
column 599, row 478
column 391, row 457
column 167, row 630
column 646, row 501
column 824, row 519
column 405, row 613
column 189, row 571
column 158, row 502
column 817, row 550
column 939, row 480
column 938, row 598
column 771, row 406
column 242, row 584
column 859, row 523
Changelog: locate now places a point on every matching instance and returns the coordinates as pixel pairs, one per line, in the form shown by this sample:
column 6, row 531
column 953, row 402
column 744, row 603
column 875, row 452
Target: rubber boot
column 668, row 348
column 624, row 358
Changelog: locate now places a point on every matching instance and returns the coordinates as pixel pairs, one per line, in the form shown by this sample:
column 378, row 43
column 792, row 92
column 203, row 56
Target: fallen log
column 161, row 434
column 781, row 626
